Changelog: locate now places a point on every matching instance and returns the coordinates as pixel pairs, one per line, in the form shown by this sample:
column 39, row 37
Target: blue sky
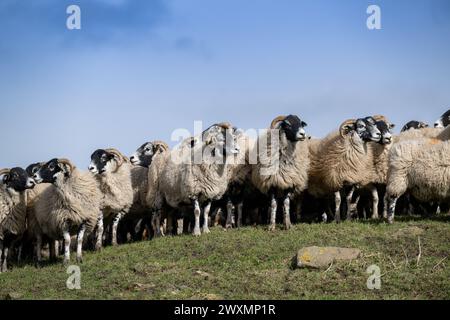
column 139, row 69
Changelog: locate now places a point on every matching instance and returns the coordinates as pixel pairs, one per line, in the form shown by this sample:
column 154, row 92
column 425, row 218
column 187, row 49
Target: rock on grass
column 322, row 257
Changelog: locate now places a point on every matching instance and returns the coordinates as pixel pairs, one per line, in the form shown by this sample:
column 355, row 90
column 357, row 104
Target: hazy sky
column 137, row 70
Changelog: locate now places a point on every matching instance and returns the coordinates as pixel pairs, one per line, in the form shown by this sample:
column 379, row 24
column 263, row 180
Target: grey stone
column 322, row 257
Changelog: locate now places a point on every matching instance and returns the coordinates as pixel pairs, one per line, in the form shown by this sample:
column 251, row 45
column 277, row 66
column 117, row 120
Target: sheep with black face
column 113, row 174
column 341, row 159
column 377, row 177
column 70, row 207
column 443, row 120
column 414, row 125
column 13, row 204
column 282, row 165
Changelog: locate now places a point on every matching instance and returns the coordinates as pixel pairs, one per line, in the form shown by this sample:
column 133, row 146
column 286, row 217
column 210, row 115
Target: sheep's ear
column 66, row 169
column 391, row 126
column 6, row 178
column 160, row 149
column 304, row 124
column 348, row 127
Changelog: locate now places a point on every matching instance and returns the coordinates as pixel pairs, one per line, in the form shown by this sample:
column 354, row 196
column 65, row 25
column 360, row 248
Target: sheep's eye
column 51, row 167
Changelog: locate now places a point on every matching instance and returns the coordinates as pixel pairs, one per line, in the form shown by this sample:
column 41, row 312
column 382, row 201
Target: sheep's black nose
column 132, row 158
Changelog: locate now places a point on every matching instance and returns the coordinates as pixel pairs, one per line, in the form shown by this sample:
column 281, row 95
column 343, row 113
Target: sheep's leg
column 19, row 253
column 38, row 249
column 385, row 206
column 391, row 208
column 57, row 247
column 349, row 198
column 180, row 226
column 273, row 213
column 217, row 217
column 115, row 225
column 51, row 246
column 1, row 254
column 156, row 224
column 239, row 214
column 163, row 227
column 4, row 265
column 80, row 237
column 337, row 207
column 197, row 212
column 169, row 224
column 375, row 201
column 298, row 209
column 230, row 207
column 67, row 239
column 100, row 229
column 206, row 211
column 287, row 211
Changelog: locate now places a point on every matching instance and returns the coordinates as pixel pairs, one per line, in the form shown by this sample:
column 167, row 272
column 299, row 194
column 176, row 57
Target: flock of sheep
column 224, row 177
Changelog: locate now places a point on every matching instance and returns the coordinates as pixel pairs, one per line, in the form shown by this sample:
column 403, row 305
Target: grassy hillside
column 253, row 263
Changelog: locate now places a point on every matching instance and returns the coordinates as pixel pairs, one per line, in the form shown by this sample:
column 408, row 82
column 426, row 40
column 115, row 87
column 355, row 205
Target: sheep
column 113, row 174
column 154, row 198
column 443, row 120
column 197, row 172
column 418, row 134
column 341, row 159
column 379, row 152
column 419, row 167
column 147, row 197
column 33, row 195
column 413, row 124
column 70, row 206
column 240, row 187
column 283, row 163
column 13, row 201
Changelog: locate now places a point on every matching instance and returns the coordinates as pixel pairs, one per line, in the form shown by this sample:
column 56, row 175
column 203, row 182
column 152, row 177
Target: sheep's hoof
column 287, row 226
column 375, row 217
column 390, row 220
column 66, row 261
column 272, row 227
column 197, row 233
column 4, row 269
column 229, row 226
column 206, row 230
column 79, row 260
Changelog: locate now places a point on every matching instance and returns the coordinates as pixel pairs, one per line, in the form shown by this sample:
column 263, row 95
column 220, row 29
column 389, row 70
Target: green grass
column 252, row 263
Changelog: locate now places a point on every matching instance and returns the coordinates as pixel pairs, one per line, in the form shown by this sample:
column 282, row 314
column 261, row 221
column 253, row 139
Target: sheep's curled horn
column 120, row 157
column 379, row 117
column 161, row 145
column 4, row 171
column 68, row 163
column 384, row 119
column 224, row 125
column 276, row 120
column 342, row 130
